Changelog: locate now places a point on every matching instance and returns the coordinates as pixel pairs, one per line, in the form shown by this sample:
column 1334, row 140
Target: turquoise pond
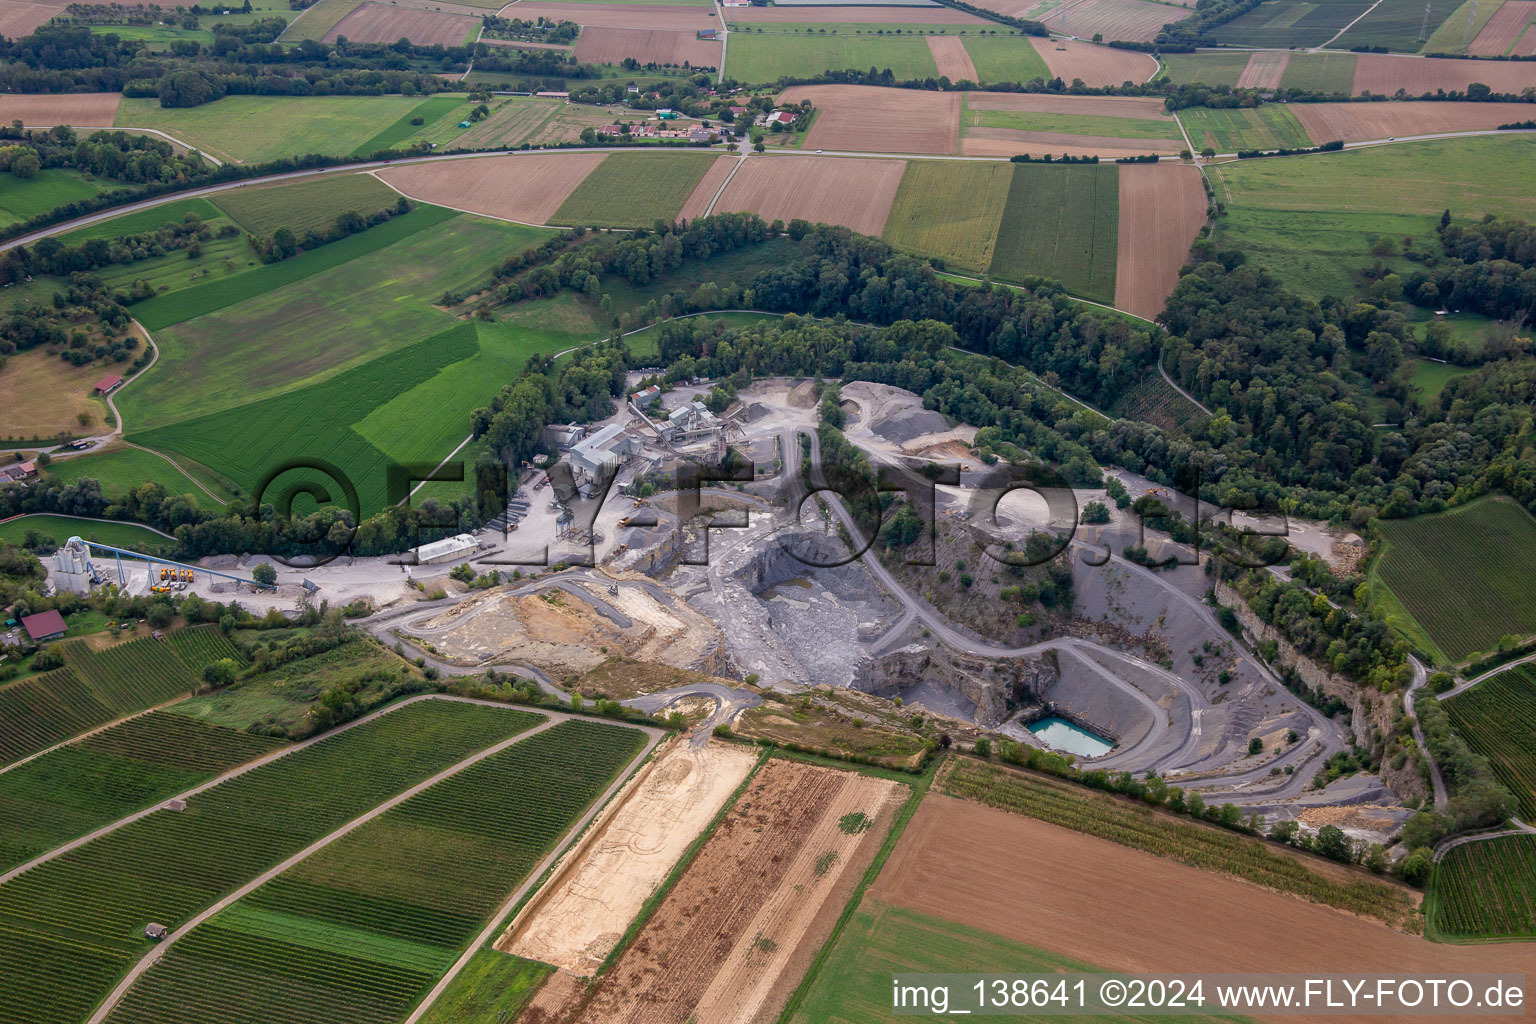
column 1060, row 734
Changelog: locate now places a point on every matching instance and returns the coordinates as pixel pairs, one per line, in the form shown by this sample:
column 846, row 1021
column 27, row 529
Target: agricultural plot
column 74, row 924
column 1486, row 891
column 357, row 931
column 709, row 185
column 1327, row 73
column 1094, row 65
column 130, row 677
column 1154, row 401
column 1270, row 126
column 934, row 16
column 800, row 51
column 252, row 129
column 853, row 192
column 1062, row 223
column 1507, row 31
column 312, row 204
column 80, row 787
column 953, row 62
column 201, row 646
column 1356, row 122
column 1458, row 30
column 1158, row 129
column 1441, row 581
column 634, row 190
column 81, row 109
column 1497, row 718
column 1384, row 74
column 1001, row 58
column 950, row 211
column 1284, row 23
column 61, row 528
column 22, row 199
column 1116, row 20
column 876, row 120
column 381, row 23
column 1207, row 68
column 527, row 189
column 998, row 124
column 1264, row 70
column 492, row 986
column 18, row 18
column 44, row 396
column 123, row 469
column 1162, row 209
column 435, row 113
column 1395, row 24
column 602, row 45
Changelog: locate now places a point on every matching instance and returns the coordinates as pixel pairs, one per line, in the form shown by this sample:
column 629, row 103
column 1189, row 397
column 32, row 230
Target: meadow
column 45, row 396
column 1005, row 59
column 1430, row 378
column 1075, row 124
column 952, row 211
column 1497, row 718
column 123, row 469
column 22, row 198
column 1062, row 222
column 433, row 112
column 1271, row 126
column 73, row 924
column 492, row 986
column 1206, row 68
column 61, row 528
column 634, row 190
column 253, row 129
column 311, row 204
column 359, row 929
column 1458, row 581
column 782, row 51
column 1485, row 891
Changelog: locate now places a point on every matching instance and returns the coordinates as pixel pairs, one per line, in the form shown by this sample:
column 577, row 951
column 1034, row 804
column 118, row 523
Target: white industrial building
column 445, row 550
column 598, row 456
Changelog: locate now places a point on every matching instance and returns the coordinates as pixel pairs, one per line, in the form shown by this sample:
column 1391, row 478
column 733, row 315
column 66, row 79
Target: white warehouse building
column 445, row 550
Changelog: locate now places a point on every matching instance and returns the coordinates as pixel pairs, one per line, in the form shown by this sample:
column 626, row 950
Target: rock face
column 987, row 684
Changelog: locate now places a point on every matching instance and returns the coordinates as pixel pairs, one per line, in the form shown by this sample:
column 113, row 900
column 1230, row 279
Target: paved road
column 1467, row 684
column 1447, row 845
column 1420, row 677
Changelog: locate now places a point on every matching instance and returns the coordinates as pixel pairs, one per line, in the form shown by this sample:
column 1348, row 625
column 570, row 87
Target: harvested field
column 381, row 23
column 580, row 916
column 862, row 14
column 91, row 109
column 1264, row 70
column 1384, row 74
column 1162, row 208
column 528, row 189
column 697, row 203
column 949, row 54
column 602, row 45
column 1084, row 106
column 18, row 19
column 1128, row 20
column 1008, row 142
column 1505, row 29
column 833, row 190
column 1095, row 65
column 43, row 395
column 877, row 120
column 655, row 17
column 1356, row 122
column 756, row 903
column 1125, row 910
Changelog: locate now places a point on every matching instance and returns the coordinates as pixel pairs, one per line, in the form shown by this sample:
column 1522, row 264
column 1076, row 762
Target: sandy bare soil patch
column 860, row 15
column 718, row 947
column 657, row 17
column 1383, row 74
column 950, row 55
column 1141, row 108
column 1264, row 70
column 381, row 23
column 522, row 188
column 1125, row 910
column 1128, row 20
column 1504, row 28
column 856, row 193
column 1355, row 122
column 704, row 192
column 1009, row 142
column 580, row 916
column 89, row 109
column 1095, row 65
column 876, row 120
column 602, row 45
column 1162, row 207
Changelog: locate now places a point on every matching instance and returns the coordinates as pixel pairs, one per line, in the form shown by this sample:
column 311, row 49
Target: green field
column 253, row 129
column 1062, row 222
column 78, row 788
column 1006, row 59
column 634, row 190
column 61, row 528
column 492, row 987
column 1312, row 219
column 1271, row 126
column 1463, row 25
column 1075, row 124
column 75, row 923
column 22, row 198
column 1395, row 24
column 1497, row 718
column 1458, row 581
column 358, row 930
column 1331, row 73
column 123, row 469
column 1286, row 23
column 1430, row 378
column 1485, row 891
column 307, row 204
column 1206, row 68
column 766, row 56
column 950, row 210
column 431, row 111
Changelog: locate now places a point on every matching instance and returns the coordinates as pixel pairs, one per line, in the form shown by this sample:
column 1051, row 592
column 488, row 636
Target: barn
column 43, row 626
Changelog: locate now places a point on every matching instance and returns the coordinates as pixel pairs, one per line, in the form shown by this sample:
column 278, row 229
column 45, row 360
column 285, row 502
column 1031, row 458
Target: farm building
column 18, row 472
column 154, row 931
column 47, row 625
column 108, row 384
column 782, row 117
column 445, row 550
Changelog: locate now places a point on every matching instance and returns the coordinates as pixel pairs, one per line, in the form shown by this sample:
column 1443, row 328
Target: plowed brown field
column 861, row 15
column 1356, row 122
column 19, row 19
column 1125, row 910
column 1128, row 20
column 952, row 59
column 1162, row 207
column 856, row 193
column 1264, row 70
column 1010, row 142
column 1384, row 74
column 381, row 23
column 656, row 17
column 89, row 109
column 602, row 45
column 704, row 192
column 875, row 120
column 1095, row 65
column 1504, row 28
column 528, row 189
column 1145, row 109
column 725, row 943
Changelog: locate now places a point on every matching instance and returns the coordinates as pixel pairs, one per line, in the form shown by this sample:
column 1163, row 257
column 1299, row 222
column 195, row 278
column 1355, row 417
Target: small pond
column 1060, row 734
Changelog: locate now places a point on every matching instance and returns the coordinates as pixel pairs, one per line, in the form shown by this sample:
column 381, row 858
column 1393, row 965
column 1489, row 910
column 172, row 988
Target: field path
column 552, row 719
column 1520, row 829
column 1465, row 685
column 1351, row 25
column 89, row 732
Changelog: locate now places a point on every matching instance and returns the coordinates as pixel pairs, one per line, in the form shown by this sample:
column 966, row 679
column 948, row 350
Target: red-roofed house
column 44, row 626
column 108, row 383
